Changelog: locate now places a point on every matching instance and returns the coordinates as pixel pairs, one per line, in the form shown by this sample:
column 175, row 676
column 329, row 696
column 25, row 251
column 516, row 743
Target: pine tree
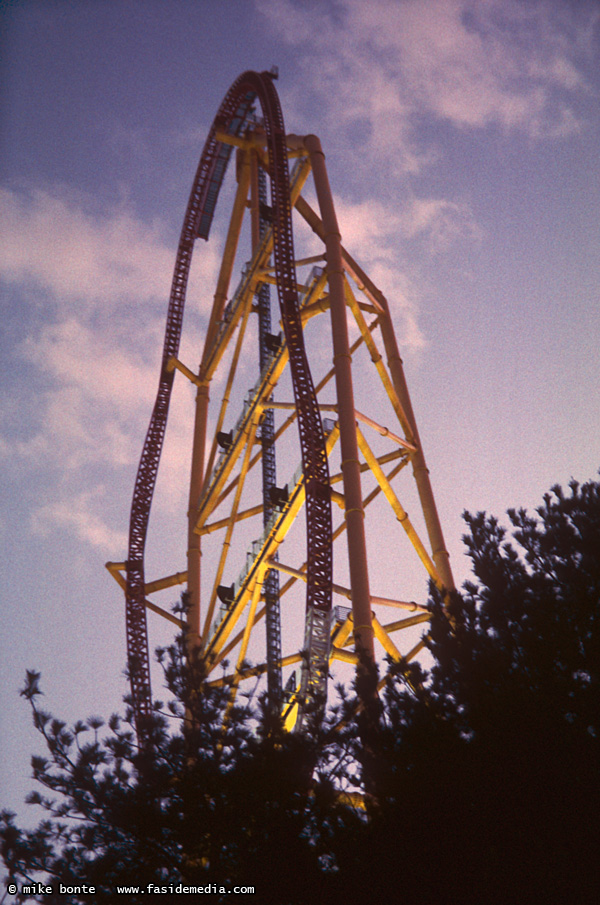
column 488, row 768
column 224, row 796
column 482, row 775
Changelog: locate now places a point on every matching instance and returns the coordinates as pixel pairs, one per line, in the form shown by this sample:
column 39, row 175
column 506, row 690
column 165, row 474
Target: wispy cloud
column 99, row 278
column 370, row 231
column 471, row 64
column 386, row 79
column 375, row 230
column 58, row 244
column 92, row 287
column 80, row 515
column 439, row 222
column 95, row 393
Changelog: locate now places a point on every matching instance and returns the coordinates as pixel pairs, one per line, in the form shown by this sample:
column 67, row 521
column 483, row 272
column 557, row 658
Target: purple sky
column 462, row 145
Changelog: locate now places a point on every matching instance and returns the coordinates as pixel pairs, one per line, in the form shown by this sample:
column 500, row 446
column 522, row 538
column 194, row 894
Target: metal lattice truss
column 246, row 615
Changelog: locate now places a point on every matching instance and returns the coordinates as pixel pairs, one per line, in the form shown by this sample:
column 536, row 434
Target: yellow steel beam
column 355, row 800
column 180, row 623
column 382, row 632
column 290, row 713
column 365, row 419
column 384, row 431
column 378, row 362
column 385, row 640
column 338, row 498
column 255, row 140
column 248, row 143
column 322, row 383
column 245, row 639
column 275, row 538
column 208, row 503
column 216, row 493
column 299, row 573
column 227, row 262
column 397, row 508
column 366, row 306
column 229, row 531
column 233, row 643
column 358, row 275
column 271, row 544
column 251, row 672
column 378, row 300
column 320, row 306
column 215, row 347
column 341, row 633
column 410, row 605
column 415, row 650
column 168, row 581
column 226, row 395
column 213, row 493
column 223, row 522
column 313, row 259
column 347, row 592
column 287, row 423
column 406, row 623
column 174, row 363
column 265, row 276
column 117, row 568
column 346, row 656
column 368, row 499
column 382, row 460
column 421, row 473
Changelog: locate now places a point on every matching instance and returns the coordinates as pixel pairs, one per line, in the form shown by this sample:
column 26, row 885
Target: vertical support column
column 194, row 551
column 439, row 553
column 201, row 416
column 342, row 360
column 229, row 252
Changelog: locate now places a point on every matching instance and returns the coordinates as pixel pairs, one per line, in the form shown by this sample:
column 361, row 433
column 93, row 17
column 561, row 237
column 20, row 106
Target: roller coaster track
column 232, row 117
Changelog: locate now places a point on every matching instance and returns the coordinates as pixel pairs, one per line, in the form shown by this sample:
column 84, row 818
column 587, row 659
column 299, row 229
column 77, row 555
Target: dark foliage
column 224, row 796
column 484, row 774
column 489, row 768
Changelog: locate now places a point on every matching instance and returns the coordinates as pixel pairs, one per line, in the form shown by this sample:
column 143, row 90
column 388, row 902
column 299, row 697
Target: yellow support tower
column 241, row 530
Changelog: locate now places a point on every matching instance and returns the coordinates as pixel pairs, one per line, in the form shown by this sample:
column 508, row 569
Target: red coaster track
column 231, row 119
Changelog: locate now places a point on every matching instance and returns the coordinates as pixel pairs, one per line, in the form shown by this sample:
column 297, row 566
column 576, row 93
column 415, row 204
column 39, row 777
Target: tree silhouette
column 483, row 773
column 489, row 767
column 225, row 797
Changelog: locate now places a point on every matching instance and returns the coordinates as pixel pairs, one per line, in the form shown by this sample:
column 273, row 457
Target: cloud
column 373, row 231
column 440, row 222
column 90, row 423
column 90, row 292
column 388, row 78
column 73, row 353
column 59, row 245
column 79, row 515
column 96, row 349
column 471, row 64
column 370, row 231
column 474, row 64
column 94, row 395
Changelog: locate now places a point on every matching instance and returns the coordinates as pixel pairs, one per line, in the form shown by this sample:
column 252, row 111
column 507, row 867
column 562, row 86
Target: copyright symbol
column 12, row 888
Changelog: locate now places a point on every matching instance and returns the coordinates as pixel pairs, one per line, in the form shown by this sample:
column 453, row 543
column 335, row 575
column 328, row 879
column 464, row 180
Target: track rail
column 231, row 119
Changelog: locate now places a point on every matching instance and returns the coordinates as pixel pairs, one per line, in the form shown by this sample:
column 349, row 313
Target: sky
column 462, row 147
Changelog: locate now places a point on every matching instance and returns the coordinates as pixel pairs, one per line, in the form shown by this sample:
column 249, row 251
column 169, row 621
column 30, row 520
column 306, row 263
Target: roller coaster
column 238, row 609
